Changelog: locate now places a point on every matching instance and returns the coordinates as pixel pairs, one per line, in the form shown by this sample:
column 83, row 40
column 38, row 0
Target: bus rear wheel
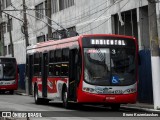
column 65, row 99
column 36, row 96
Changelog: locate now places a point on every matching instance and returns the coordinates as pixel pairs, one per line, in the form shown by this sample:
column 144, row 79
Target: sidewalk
column 20, row 92
column 138, row 106
column 141, row 106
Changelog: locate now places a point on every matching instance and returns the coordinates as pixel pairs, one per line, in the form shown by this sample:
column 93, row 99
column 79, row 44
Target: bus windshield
column 7, row 71
column 106, row 66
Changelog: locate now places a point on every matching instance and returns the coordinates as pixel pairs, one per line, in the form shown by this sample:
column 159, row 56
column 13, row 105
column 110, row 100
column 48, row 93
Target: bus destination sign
column 107, row 42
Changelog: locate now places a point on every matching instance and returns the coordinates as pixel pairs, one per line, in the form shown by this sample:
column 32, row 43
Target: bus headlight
column 128, row 91
column 90, row 90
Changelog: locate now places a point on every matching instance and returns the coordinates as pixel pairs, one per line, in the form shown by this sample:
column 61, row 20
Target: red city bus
column 8, row 74
column 96, row 68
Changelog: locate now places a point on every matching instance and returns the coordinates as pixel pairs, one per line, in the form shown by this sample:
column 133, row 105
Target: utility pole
column 27, row 81
column 25, row 23
column 10, row 36
column 49, row 18
column 1, row 31
column 155, row 58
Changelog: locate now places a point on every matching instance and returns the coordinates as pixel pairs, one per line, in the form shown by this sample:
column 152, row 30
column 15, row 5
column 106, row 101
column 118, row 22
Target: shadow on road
column 80, row 107
column 5, row 93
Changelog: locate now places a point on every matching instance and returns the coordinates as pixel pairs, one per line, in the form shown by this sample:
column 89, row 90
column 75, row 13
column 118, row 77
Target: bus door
column 30, row 73
column 44, row 74
column 72, row 74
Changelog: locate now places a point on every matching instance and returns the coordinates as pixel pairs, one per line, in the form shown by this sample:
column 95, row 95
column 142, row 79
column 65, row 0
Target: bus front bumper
column 119, row 98
column 8, row 87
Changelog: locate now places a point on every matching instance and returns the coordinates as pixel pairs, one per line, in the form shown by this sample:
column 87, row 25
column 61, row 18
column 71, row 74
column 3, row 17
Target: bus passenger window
column 51, row 69
column 58, row 55
column 51, row 61
column 1, row 71
column 36, row 69
column 51, row 56
column 37, row 64
column 57, row 70
column 64, row 69
column 65, row 55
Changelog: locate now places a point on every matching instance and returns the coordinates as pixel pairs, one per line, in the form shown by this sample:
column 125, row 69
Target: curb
column 141, row 108
column 20, row 93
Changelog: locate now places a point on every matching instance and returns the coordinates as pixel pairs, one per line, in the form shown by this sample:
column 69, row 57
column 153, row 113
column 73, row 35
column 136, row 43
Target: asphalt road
column 25, row 105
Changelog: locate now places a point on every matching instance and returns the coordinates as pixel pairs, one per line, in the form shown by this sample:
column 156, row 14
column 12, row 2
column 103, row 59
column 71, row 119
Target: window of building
column 8, row 3
column 39, row 11
column 9, row 25
column 130, row 23
column 5, row 50
column 4, row 27
column 54, row 6
column 9, row 49
column 46, row 8
column 65, row 4
column 3, row 4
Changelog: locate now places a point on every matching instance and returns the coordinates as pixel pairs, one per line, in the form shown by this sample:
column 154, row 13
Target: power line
column 13, row 16
column 100, row 15
column 52, row 21
column 18, row 13
column 96, row 26
column 21, row 13
column 26, row 9
column 70, row 19
column 105, row 20
column 42, row 20
column 77, row 17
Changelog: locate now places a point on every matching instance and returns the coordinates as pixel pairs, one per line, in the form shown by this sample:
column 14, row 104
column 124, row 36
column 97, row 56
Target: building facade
column 125, row 17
